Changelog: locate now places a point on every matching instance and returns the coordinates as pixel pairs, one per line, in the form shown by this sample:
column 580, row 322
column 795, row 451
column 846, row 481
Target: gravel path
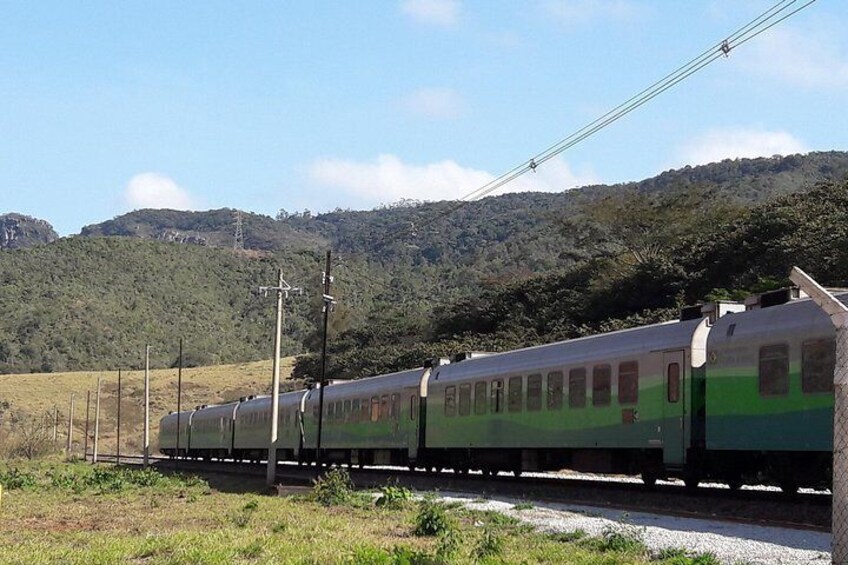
column 731, row 543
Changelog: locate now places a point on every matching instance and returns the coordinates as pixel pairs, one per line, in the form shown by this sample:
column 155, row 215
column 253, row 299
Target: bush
column 13, row 478
column 333, row 487
column 432, row 518
column 394, row 496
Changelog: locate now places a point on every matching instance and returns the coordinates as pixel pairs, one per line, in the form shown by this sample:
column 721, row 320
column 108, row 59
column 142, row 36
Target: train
column 739, row 393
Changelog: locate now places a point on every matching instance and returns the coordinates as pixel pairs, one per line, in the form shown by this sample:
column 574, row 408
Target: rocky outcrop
column 18, row 231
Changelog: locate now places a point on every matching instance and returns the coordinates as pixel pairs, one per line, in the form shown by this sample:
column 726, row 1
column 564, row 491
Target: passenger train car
column 730, row 392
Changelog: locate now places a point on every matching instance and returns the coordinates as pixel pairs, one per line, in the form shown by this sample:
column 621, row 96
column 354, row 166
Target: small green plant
column 432, row 518
column 523, row 506
column 279, row 527
column 624, row 538
column 448, row 546
column 14, row 478
column 394, row 496
column 491, row 544
column 679, row 556
column 333, row 487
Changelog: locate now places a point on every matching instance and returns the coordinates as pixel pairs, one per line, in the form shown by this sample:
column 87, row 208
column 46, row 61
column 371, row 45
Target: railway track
column 804, row 511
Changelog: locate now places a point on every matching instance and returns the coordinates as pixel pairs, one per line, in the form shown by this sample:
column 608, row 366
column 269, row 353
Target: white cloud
column 817, row 59
column 734, row 143
column 388, row 178
column 437, row 103
column 152, row 190
column 443, row 13
column 575, row 12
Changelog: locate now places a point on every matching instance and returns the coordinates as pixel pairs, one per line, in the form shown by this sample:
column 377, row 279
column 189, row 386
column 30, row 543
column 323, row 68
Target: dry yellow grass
column 36, row 394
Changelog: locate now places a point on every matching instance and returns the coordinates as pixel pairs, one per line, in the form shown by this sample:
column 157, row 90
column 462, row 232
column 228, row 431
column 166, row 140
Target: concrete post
column 70, row 447
column 271, row 474
column 146, row 405
column 96, row 421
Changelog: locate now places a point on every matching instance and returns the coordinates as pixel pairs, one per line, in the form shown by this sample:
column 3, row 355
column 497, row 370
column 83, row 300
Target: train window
column 577, row 388
column 516, row 385
column 450, row 401
column 774, row 370
column 465, row 399
column 365, row 407
column 356, row 412
column 480, row 397
column 497, row 396
column 817, row 366
column 413, row 407
column 673, row 390
column 375, row 408
column 555, row 390
column 384, row 407
column 628, row 382
column 315, row 412
column 394, row 409
column 534, row 393
column 601, row 385
column 347, row 410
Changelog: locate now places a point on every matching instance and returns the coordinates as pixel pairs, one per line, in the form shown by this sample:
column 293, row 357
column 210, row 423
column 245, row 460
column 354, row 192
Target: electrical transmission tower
column 238, row 237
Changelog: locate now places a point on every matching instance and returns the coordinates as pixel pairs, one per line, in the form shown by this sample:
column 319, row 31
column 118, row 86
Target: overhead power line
column 779, row 12
column 765, row 21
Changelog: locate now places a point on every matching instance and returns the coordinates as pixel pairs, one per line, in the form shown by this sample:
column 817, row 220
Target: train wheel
column 650, row 479
column 734, row 484
column 691, row 483
column 789, row 487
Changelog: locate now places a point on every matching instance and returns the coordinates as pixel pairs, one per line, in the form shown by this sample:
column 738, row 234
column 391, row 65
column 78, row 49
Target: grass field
column 36, row 394
column 78, row 514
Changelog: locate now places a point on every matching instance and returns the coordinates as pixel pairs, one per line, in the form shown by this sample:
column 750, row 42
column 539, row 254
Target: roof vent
column 242, row 398
column 774, row 298
column 690, row 313
column 436, row 362
column 467, row 355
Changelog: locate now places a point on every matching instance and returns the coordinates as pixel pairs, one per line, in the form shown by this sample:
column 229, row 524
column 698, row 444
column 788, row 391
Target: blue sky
column 108, row 107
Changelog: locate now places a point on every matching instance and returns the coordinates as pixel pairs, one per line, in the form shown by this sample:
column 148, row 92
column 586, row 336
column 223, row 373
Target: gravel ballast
column 731, row 543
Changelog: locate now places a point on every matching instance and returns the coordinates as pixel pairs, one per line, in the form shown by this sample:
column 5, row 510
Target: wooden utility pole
column 328, row 304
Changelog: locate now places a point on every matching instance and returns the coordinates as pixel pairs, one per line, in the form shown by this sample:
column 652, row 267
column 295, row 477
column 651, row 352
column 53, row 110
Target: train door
column 412, row 423
column 673, row 426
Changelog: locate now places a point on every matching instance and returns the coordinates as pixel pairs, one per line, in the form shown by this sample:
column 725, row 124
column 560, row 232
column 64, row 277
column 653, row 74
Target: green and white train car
column 253, row 427
column 373, row 421
column 168, row 433
column 212, row 431
column 769, row 411
column 622, row 402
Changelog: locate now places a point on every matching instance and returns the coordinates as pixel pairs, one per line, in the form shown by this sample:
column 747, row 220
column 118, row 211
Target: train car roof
column 380, row 383
column 173, row 415
column 776, row 320
column 262, row 402
column 622, row 343
column 216, row 411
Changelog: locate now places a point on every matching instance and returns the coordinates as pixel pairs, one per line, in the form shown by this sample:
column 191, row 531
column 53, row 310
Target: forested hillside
column 651, row 268
column 415, row 281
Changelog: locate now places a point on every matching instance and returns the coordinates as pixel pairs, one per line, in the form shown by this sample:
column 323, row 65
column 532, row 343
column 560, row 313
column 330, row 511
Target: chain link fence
column 839, row 526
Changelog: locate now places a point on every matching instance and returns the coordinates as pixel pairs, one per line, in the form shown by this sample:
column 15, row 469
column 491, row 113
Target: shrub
column 569, row 537
column 432, row 518
column 394, row 496
column 14, row 478
column 333, row 488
